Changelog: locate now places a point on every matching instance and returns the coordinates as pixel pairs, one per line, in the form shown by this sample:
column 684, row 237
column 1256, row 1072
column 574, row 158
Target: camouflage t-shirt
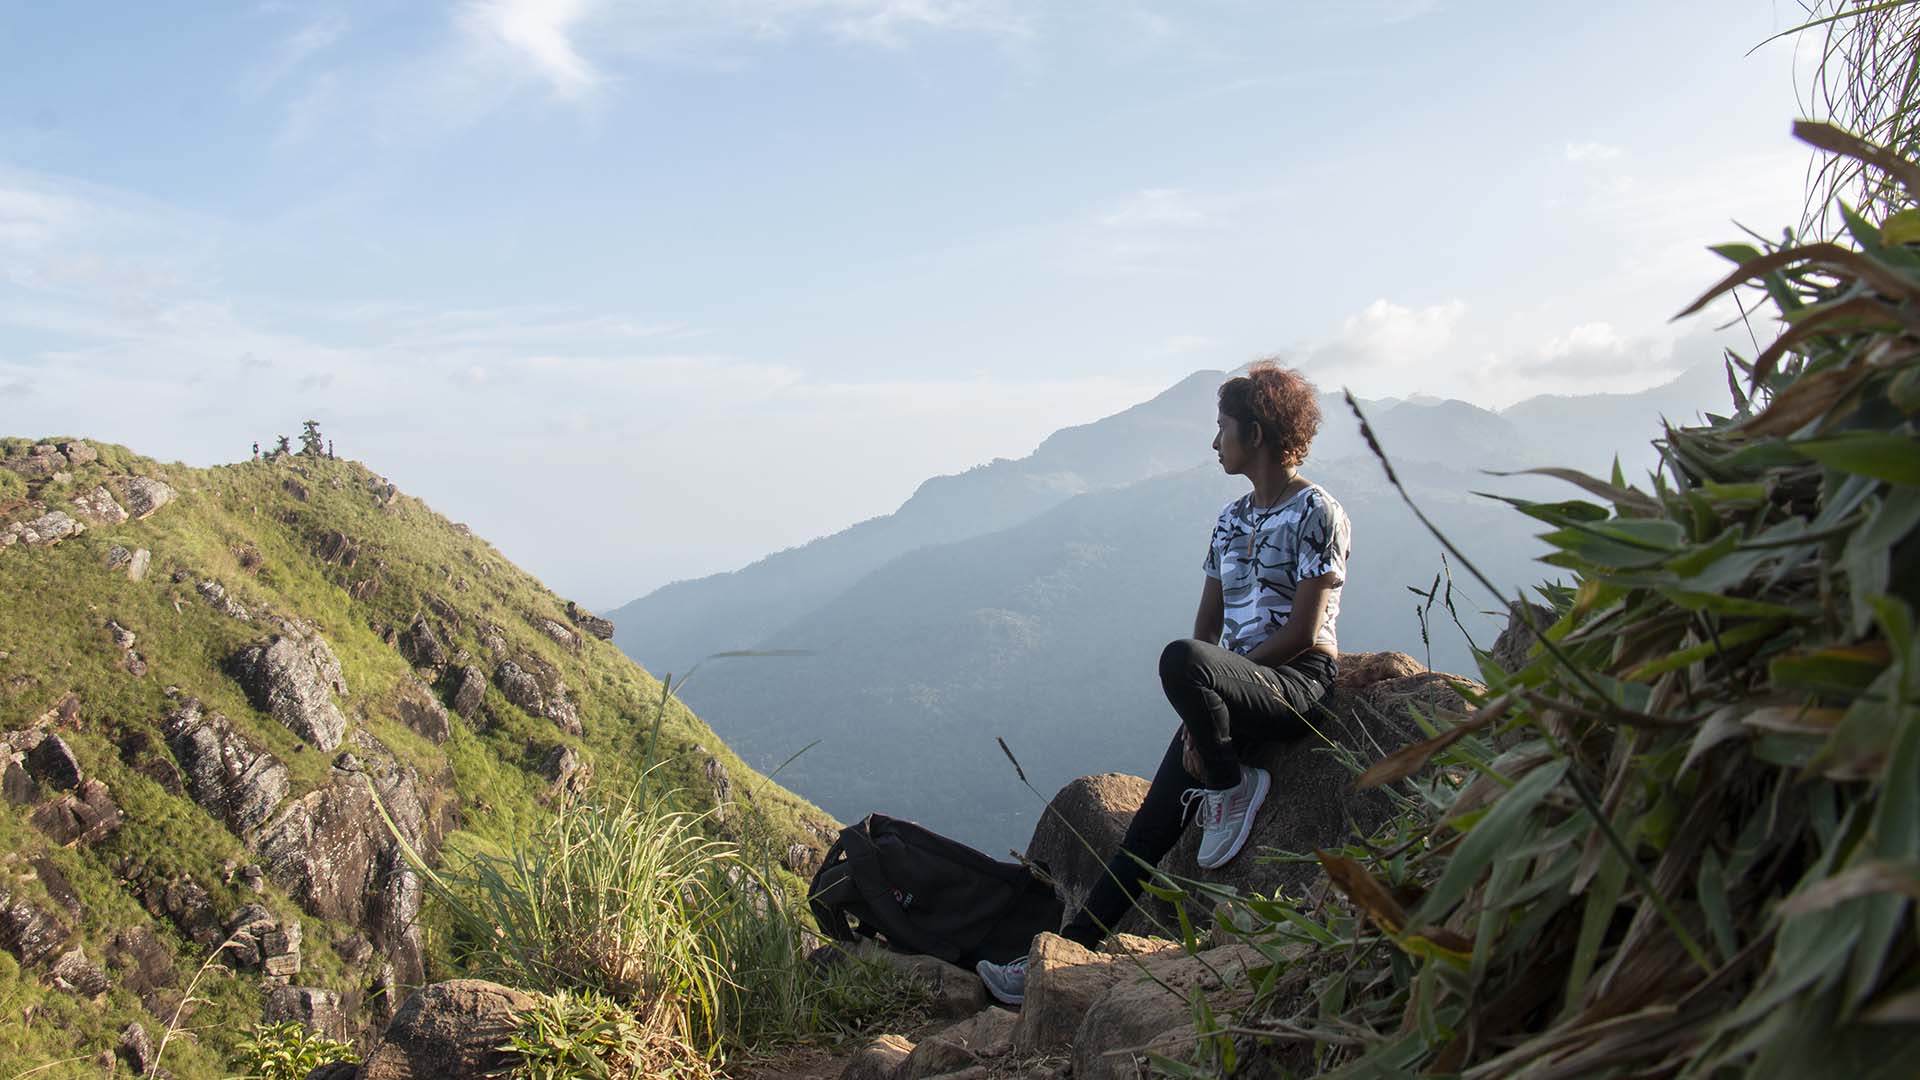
column 1261, row 554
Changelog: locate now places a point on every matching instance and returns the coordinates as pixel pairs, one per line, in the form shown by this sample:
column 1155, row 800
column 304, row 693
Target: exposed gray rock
column 123, row 638
column 97, row 506
column 318, row 1009
column 40, row 463
column 1064, row 980
column 215, row 594
column 232, row 777
column 421, row 646
column 591, row 623
column 140, row 961
column 294, row 678
column 332, row 853
column 471, row 691
column 519, row 687
column 448, row 615
column 561, row 711
column 142, row 495
column 46, row 530
column 78, row 452
column 561, row 636
column 77, row 975
column 1512, row 649
column 1153, row 1007
column 448, row 1030
column 33, row 936
column 137, row 565
column 18, row 788
column 566, row 770
column 53, row 764
column 84, row 816
column 59, row 889
column 417, row 708
column 136, row 1049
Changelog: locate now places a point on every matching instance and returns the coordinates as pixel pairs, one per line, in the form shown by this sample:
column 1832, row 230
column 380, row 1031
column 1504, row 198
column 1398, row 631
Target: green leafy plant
column 586, row 1035
column 287, row 1051
column 1684, row 838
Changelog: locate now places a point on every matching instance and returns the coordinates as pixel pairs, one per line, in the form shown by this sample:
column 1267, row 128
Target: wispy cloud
column 312, row 38
column 1590, row 151
column 538, row 34
column 1157, row 208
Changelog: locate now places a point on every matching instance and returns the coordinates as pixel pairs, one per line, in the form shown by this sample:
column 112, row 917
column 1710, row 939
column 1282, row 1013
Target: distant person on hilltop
column 1262, row 653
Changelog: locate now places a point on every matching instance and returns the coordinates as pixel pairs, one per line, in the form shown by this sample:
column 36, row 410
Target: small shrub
column 287, row 1051
column 589, row 1036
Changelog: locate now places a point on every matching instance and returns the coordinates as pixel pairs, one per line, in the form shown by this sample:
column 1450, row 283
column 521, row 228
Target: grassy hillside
column 323, row 547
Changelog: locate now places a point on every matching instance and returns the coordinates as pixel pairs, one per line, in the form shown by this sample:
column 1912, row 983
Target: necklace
column 1253, row 530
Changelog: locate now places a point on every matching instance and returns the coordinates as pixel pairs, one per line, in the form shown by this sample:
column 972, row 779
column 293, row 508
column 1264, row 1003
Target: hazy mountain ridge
column 1042, row 625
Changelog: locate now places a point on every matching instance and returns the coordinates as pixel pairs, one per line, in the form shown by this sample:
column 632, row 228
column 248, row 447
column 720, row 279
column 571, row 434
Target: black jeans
column 1230, row 706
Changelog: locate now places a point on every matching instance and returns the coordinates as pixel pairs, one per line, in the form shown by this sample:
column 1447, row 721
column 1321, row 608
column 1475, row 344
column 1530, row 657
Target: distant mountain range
column 1030, row 598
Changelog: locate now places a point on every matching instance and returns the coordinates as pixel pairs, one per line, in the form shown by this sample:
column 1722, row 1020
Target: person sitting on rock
column 1262, row 654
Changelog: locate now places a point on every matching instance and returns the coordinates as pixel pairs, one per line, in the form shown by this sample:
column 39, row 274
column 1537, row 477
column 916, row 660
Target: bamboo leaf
column 1878, row 454
column 1489, row 836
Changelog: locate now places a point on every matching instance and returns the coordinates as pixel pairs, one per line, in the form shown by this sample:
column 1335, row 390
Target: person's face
column 1235, row 444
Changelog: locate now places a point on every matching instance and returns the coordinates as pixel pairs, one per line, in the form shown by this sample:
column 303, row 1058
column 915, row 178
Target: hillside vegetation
column 211, row 684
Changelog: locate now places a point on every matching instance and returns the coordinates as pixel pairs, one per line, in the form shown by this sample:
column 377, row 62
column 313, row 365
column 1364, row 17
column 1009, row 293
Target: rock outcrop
column 416, row 707
column 44, row 531
column 233, row 778
column 97, row 507
column 143, row 496
column 1081, row 829
column 591, row 623
column 469, row 691
column 293, row 677
column 447, row 1031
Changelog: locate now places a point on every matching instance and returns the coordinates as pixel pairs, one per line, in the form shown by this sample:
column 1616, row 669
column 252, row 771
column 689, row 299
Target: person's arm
column 1302, row 626
column 1210, row 620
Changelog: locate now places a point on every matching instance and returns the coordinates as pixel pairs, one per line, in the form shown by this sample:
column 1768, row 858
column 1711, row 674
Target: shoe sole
column 1262, row 781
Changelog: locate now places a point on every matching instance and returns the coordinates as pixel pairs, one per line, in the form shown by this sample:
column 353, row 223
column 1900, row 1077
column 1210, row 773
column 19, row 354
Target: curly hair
column 1281, row 401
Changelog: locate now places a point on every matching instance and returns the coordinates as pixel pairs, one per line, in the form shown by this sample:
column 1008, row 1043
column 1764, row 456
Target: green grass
column 52, row 629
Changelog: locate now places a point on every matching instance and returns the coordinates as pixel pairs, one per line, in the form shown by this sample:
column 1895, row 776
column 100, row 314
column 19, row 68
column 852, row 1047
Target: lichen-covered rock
column 46, row 530
column 136, row 1049
column 417, row 708
column 39, row 463
column 215, row 594
column 293, row 678
column 470, row 692
column 81, row 817
column 33, row 936
column 421, row 646
column 561, row 636
column 143, row 495
column 78, row 452
column 137, row 564
column 519, row 687
column 97, row 507
column 331, row 851
column 232, row 777
column 73, row 973
column 140, row 961
column 448, row 1031
column 318, row 1009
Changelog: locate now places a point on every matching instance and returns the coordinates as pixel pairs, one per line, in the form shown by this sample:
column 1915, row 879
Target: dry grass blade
column 1867, row 879
column 1825, row 136
column 1410, row 759
column 1626, row 498
column 1366, row 892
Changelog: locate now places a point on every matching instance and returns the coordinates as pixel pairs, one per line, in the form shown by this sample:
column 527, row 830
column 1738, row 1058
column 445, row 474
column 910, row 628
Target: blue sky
column 647, row 290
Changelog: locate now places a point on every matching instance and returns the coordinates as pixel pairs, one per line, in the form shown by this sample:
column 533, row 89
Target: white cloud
column 1590, row 337
column 1157, row 208
column 1390, row 333
column 1591, row 151
column 539, row 34
column 293, row 51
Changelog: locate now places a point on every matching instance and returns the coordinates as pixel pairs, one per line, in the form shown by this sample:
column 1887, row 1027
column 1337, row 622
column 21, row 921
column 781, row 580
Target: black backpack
column 924, row 893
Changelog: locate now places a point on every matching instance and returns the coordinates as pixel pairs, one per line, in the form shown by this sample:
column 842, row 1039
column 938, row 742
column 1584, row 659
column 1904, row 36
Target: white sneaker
column 1226, row 817
column 1006, row 982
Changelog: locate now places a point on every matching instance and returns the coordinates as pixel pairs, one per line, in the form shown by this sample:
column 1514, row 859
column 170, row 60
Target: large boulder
column 78, row 452
column 448, row 1031
column 318, row 1010
column 293, row 677
column 32, row 935
column 232, row 777
column 1513, row 649
column 143, row 495
column 1081, row 829
column 39, row 463
column 51, row 762
column 46, row 530
column 470, row 691
column 1064, row 980
column 417, row 708
column 519, row 687
column 1150, row 1005
column 422, row 646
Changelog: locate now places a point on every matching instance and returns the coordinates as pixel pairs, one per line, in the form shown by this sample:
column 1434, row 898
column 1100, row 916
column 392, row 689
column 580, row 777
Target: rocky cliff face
column 228, row 699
